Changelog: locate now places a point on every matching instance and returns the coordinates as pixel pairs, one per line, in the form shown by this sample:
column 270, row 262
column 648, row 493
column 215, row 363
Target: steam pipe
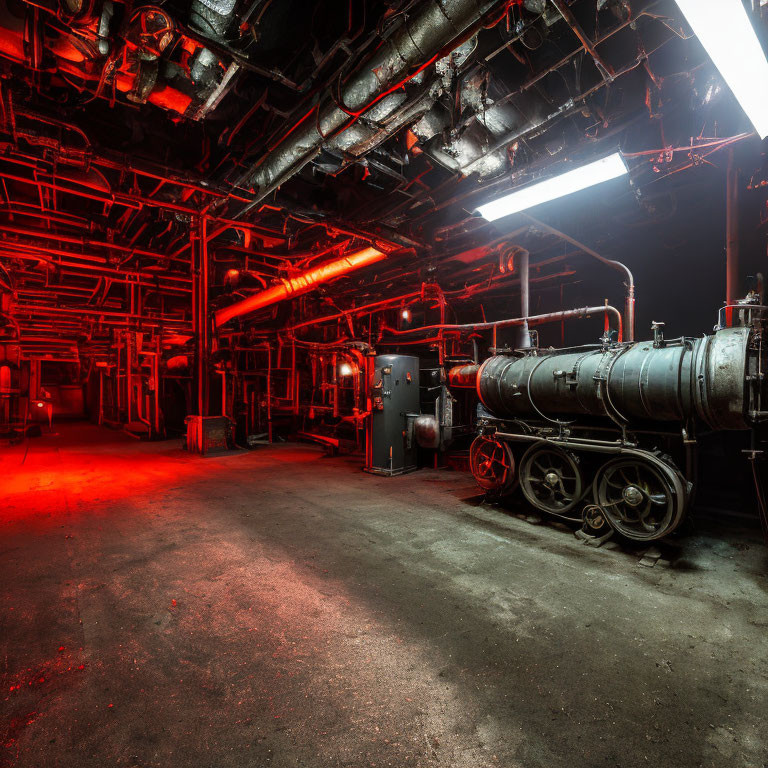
column 524, row 337
column 629, row 305
column 412, row 47
column 295, row 286
column 732, row 231
column 532, row 320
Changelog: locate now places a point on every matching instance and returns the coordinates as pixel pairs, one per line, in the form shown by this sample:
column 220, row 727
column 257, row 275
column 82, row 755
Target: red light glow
column 300, row 284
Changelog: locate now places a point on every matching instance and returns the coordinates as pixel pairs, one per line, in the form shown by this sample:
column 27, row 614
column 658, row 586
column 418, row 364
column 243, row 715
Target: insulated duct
column 414, row 45
column 294, row 286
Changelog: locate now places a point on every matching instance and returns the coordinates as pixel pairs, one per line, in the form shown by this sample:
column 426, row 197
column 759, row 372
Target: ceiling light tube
column 724, row 29
column 605, row 169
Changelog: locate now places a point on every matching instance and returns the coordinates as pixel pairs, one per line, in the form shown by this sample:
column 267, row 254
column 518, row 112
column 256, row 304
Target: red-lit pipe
column 294, row 286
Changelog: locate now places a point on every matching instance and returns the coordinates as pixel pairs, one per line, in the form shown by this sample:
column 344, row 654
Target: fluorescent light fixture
column 607, row 168
column 724, row 29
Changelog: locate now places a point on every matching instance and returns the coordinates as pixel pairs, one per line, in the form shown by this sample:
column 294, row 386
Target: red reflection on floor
column 81, row 465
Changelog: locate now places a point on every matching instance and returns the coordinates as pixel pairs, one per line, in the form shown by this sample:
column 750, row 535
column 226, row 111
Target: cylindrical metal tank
column 395, row 404
column 650, row 381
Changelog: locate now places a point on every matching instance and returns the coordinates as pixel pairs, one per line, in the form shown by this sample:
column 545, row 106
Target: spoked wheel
column 551, row 480
column 492, row 464
column 642, row 498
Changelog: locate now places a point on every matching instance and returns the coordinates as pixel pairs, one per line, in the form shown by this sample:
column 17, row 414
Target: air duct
column 415, row 44
column 295, row 286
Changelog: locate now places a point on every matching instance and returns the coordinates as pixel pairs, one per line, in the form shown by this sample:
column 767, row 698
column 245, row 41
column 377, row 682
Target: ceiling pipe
column 629, row 301
column 295, row 286
column 419, row 40
column 602, row 67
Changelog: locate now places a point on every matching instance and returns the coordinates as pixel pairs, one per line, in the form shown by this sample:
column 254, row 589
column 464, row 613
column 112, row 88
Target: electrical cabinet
column 391, row 448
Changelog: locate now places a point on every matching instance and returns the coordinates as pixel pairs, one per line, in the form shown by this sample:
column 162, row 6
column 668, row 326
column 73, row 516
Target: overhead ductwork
column 414, row 45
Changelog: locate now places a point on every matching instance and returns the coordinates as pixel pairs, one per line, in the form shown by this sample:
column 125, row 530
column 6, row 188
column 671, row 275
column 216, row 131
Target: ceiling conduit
column 433, row 28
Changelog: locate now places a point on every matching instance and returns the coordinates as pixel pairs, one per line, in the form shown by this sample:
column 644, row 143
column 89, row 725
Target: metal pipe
column 732, row 231
column 629, row 305
column 604, row 69
column 522, row 258
column 156, row 376
column 531, row 320
column 200, row 300
column 269, row 393
column 129, row 376
column 294, row 286
column 413, row 46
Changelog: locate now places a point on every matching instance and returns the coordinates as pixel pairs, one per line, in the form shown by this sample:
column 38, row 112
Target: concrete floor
column 281, row 608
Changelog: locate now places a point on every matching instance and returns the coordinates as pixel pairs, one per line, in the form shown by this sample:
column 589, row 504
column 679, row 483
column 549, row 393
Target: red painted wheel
column 492, row 464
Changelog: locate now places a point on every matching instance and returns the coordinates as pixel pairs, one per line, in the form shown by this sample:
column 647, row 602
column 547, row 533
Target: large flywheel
column 492, row 464
column 551, row 480
column 643, row 498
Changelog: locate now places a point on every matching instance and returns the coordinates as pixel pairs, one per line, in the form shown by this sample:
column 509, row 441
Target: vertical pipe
column 629, row 306
column 524, row 336
column 156, row 369
column 629, row 311
column 335, row 383
column 101, row 396
column 294, row 381
column 441, row 341
column 201, row 316
column 732, row 231
column 128, row 376
column 118, row 384
column 269, row 393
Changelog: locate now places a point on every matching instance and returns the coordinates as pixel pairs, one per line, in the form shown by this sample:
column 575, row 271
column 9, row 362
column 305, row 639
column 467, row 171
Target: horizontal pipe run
column 82, row 242
column 42, row 310
column 295, row 286
column 549, row 317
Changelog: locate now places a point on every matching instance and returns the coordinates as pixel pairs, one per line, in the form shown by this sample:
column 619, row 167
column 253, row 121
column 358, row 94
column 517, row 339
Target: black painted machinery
column 607, row 433
column 394, row 397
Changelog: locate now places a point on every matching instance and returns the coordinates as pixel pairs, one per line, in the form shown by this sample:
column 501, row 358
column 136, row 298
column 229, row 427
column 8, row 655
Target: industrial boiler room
column 383, row 383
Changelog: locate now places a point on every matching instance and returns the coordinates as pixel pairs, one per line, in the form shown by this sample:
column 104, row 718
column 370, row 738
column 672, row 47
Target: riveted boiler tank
column 657, row 381
column 599, row 425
